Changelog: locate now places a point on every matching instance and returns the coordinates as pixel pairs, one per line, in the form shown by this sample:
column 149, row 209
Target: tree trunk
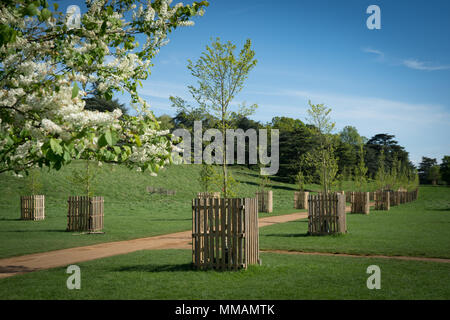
column 224, row 157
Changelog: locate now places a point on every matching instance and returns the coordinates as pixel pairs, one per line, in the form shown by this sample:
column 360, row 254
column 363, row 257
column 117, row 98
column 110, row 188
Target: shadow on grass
column 437, row 209
column 158, row 268
column 287, row 235
column 269, row 185
column 170, row 219
column 62, row 230
column 10, row 219
column 15, row 269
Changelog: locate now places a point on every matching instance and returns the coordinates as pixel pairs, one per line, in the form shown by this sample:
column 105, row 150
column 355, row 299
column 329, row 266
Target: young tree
column 34, row 182
column 220, row 77
column 301, row 180
column 381, row 175
column 85, row 178
column 50, row 62
column 206, row 178
column 361, row 169
column 323, row 157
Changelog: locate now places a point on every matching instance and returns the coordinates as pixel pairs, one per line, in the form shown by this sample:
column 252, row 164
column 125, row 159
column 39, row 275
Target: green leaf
column 30, row 10
column 108, row 138
column 55, row 146
column 138, row 140
column 45, row 14
column 56, row 6
column 75, row 90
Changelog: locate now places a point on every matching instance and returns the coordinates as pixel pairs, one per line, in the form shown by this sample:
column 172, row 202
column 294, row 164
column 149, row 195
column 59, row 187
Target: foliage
column 361, row 170
column 301, row 181
column 85, row 178
column 263, row 182
column 434, row 174
column 445, row 169
column 390, row 148
column 206, row 177
column 381, row 176
column 48, row 66
column 165, row 122
column 350, row 135
column 322, row 157
column 33, row 181
column 424, row 169
column 220, row 77
column 98, row 103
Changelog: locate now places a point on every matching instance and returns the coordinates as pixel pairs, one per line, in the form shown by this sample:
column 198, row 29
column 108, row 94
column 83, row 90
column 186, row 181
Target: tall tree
column 424, row 169
column 434, row 175
column 220, row 75
column 350, row 135
column 98, row 103
column 49, row 63
column 445, row 169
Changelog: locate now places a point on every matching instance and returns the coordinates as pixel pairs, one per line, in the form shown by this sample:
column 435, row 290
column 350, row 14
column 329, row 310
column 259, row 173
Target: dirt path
column 442, row 260
column 179, row 240
column 52, row 259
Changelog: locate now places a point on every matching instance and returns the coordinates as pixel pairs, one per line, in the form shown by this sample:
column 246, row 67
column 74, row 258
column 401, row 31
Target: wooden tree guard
column 208, row 194
column 225, row 233
column 382, row 200
column 348, row 197
column 301, row 200
column 265, row 201
column 360, row 202
column 32, row 207
column 85, row 214
column 326, row 214
column 403, row 196
column 394, row 198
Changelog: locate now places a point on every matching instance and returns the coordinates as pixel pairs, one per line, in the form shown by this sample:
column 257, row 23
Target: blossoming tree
column 48, row 65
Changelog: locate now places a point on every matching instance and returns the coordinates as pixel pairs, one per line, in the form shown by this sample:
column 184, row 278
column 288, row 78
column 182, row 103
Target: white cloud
column 374, row 51
column 419, row 65
column 421, row 128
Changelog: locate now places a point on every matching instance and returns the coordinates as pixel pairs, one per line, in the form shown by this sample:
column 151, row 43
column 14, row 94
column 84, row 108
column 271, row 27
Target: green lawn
column 167, row 274
column 420, row 228
column 130, row 212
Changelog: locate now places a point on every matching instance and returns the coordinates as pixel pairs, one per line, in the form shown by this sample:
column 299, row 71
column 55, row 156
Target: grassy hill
column 130, row 211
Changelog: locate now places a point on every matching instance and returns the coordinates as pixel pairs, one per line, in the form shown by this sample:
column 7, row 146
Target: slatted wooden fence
column 32, row 207
column 360, row 202
column 382, row 200
column 208, row 194
column 85, row 214
column 265, row 200
column 348, row 197
column 225, row 233
column 326, row 214
column 301, row 200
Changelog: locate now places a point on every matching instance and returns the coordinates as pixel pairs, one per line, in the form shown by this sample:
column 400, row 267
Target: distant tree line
column 298, row 138
column 430, row 172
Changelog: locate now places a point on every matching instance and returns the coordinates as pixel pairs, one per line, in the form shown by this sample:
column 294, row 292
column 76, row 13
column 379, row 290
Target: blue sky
column 394, row 80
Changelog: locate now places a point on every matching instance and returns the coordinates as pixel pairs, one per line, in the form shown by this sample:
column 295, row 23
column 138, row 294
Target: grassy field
column 167, row 274
column 419, row 228
column 130, row 212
